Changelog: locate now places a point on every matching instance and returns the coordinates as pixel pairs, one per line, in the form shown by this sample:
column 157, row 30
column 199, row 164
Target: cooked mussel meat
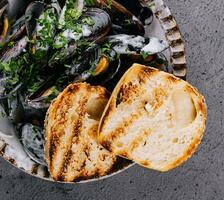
column 103, row 64
column 12, row 20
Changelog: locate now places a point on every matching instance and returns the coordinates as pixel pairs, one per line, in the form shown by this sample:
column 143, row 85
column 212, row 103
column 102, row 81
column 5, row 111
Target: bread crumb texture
column 153, row 118
column 71, row 124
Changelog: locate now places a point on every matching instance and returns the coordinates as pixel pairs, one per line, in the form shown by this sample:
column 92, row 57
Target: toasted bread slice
column 153, row 118
column 71, row 126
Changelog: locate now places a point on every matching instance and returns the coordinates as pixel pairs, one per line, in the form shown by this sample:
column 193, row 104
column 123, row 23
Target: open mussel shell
column 37, row 103
column 16, row 8
column 83, row 65
column 42, row 98
column 17, row 30
column 13, row 20
column 139, row 9
column 96, row 31
column 32, row 138
column 33, row 12
column 124, row 21
column 102, row 66
column 8, row 53
column 3, row 3
column 4, row 23
column 101, row 24
column 10, row 30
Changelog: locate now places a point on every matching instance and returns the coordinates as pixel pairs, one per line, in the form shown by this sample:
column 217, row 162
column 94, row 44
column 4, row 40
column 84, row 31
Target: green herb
column 107, row 50
column 11, row 44
column 109, row 4
column 54, row 94
column 127, row 22
column 71, row 16
column 2, row 113
column 2, row 44
column 47, row 28
column 144, row 54
column 90, row 2
column 88, row 21
column 34, row 87
column 106, row 47
column 62, row 42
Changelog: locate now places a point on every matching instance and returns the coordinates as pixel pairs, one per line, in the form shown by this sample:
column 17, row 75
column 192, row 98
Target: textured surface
column 202, row 177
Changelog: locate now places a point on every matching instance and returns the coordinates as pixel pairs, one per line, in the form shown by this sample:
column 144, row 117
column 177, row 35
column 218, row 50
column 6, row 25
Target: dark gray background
column 202, row 177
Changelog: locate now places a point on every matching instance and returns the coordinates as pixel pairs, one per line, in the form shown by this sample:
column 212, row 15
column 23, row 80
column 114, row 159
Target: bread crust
column 120, row 140
column 71, row 151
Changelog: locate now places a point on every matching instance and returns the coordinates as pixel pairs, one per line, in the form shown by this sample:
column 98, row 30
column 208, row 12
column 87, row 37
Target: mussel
column 124, row 21
column 94, row 24
column 100, row 24
column 4, row 23
column 33, row 12
column 12, row 52
column 98, row 65
column 140, row 9
column 12, row 21
column 32, row 139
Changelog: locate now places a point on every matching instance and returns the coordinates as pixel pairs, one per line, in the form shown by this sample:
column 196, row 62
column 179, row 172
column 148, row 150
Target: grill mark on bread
column 160, row 86
column 77, row 135
column 107, row 145
column 120, row 129
column 138, row 140
column 54, row 137
column 54, row 108
column 149, row 71
column 159, row 95
column 52, row 150
column 172, row 79
column 77, row 127
column 58, row 130
column 80, row 168
column 73, row 167
column 129, row 90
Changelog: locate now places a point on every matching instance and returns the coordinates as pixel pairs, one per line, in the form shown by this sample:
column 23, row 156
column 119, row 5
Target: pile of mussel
column 45, row 45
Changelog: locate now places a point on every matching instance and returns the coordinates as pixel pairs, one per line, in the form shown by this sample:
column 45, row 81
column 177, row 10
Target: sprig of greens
column 46, row 31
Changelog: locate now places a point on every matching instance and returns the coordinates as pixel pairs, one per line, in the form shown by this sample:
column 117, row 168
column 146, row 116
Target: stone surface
column 202, row 177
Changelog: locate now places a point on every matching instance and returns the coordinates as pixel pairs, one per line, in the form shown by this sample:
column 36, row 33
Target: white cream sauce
column 15, row 150
column 155, row 46
column 123, row 42
column 86, row 31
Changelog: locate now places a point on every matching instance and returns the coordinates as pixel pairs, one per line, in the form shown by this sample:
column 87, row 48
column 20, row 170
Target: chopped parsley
column 46, row 24
column 90, row 2
column 110, row 2
column 144, row 54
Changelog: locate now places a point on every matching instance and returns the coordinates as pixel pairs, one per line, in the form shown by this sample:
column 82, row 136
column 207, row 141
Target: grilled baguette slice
column 153, row 118
column 71, row 126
